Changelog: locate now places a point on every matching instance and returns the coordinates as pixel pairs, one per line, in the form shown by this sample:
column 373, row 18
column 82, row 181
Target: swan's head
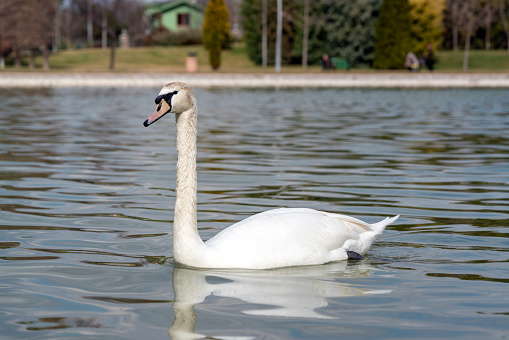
column 173, row 97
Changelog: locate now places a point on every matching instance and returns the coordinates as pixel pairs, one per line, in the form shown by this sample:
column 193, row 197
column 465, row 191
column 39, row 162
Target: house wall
column 169, row 18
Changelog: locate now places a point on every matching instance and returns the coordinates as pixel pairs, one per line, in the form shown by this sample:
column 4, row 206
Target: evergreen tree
column 339, row 28
column 342, row 28
column 216, row 31
column 392, row 35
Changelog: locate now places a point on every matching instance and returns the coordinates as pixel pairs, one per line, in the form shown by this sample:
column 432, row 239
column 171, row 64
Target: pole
column 104, row 27
column 279, row 34
column 264, row 33
column 90, row 38
column 305, row 36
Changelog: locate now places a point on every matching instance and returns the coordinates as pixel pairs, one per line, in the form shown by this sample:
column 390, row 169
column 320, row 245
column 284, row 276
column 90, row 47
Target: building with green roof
column 176, row 15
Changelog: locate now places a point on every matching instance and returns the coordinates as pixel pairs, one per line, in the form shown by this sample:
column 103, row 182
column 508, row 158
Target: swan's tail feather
column 380, row 226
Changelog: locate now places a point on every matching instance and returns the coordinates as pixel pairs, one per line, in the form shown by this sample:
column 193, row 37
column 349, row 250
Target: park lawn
column 156, row 59
column 234, row 60
column 479, row 60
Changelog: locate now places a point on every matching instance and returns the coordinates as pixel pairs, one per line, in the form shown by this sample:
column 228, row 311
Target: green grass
column 235, row 60
column 480, row 60
column 155, row 59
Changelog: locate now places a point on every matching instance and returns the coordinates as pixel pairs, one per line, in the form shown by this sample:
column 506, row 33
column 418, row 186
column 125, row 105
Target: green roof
column 169, row 6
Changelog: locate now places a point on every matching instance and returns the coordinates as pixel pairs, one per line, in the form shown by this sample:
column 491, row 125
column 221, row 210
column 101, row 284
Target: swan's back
column 288, row 237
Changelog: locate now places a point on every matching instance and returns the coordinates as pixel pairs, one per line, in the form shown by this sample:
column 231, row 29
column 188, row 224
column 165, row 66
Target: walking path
column 339, row 80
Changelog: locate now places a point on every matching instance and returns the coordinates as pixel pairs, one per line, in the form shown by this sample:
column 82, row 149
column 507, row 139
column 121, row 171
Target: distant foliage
column 393, row 34
column 427, row 24
column 216, row 31
column 342, row 28
column 252, row 25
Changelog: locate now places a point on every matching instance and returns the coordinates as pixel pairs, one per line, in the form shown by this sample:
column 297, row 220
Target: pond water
column 87, row 194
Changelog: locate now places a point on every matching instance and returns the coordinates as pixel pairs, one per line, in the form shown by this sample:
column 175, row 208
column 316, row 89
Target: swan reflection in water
column 283, row 292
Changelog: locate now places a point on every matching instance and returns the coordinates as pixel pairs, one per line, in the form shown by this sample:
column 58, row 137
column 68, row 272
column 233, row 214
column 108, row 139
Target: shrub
column 161, row 36
column 216, row 31
column 392, row 35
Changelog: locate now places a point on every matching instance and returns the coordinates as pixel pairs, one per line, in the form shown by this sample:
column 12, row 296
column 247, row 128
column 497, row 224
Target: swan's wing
column 289, row 236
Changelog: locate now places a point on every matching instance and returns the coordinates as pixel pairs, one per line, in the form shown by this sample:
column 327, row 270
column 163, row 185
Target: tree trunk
column 455, row 38
column 455, row 24
column 466, row 53
column 487, row 38
column 503, row 19
column 488, row 19
column 305, row 36
column 2, row 62
column 31, row 62
column 57, row 27
column 45, row 53
column 17, row 58
column 113, row 47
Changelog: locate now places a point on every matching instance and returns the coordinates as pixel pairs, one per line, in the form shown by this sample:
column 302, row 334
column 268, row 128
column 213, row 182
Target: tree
column 427, row 24
column 7, row 30
column 41, row 18
column 488, row 14
column 216, row 31
column 350, row 30
column 252, row 25
column 392, row 37
column 469, row 21
column 504, row 18
column 28, row 25
column 115, row 15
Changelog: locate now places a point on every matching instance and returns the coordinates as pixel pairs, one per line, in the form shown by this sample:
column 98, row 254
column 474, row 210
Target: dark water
column 86, row 206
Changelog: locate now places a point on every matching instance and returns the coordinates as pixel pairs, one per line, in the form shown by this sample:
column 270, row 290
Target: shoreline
column 236, row 80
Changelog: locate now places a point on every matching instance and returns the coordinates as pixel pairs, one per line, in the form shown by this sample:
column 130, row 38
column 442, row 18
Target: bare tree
column 488, row 14
column 118, row 15
column 454, row 11
column 469, row 14
column 13, row 32
column 6, row 37
column 39, row 23
column 504, row 18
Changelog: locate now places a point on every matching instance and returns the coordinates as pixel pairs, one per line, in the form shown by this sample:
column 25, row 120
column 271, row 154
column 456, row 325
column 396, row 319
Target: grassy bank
column 154, row 59
column 172, row 59
column 479, row 60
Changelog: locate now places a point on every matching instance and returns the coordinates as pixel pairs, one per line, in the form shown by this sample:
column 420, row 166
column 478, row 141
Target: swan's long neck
column 186, row 240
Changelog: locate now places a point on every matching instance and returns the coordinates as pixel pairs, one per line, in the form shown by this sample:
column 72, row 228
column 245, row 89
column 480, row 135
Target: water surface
column 87, row 194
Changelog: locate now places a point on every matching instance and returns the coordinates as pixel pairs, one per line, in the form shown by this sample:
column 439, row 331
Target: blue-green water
column 86, row 206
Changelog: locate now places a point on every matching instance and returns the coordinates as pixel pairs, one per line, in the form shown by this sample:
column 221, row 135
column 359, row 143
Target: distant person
column 429, row 57
column 411, row 62
column 327, row 63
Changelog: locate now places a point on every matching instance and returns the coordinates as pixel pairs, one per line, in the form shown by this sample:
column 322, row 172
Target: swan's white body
column 275, row 238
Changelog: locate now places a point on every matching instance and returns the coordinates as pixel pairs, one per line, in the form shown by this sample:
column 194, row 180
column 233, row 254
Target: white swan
column 276, row 238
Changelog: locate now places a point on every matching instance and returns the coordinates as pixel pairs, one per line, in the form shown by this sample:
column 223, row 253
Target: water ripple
column 86, row 206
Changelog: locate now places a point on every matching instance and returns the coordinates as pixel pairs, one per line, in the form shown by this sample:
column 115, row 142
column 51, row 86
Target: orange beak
column 161, row 109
